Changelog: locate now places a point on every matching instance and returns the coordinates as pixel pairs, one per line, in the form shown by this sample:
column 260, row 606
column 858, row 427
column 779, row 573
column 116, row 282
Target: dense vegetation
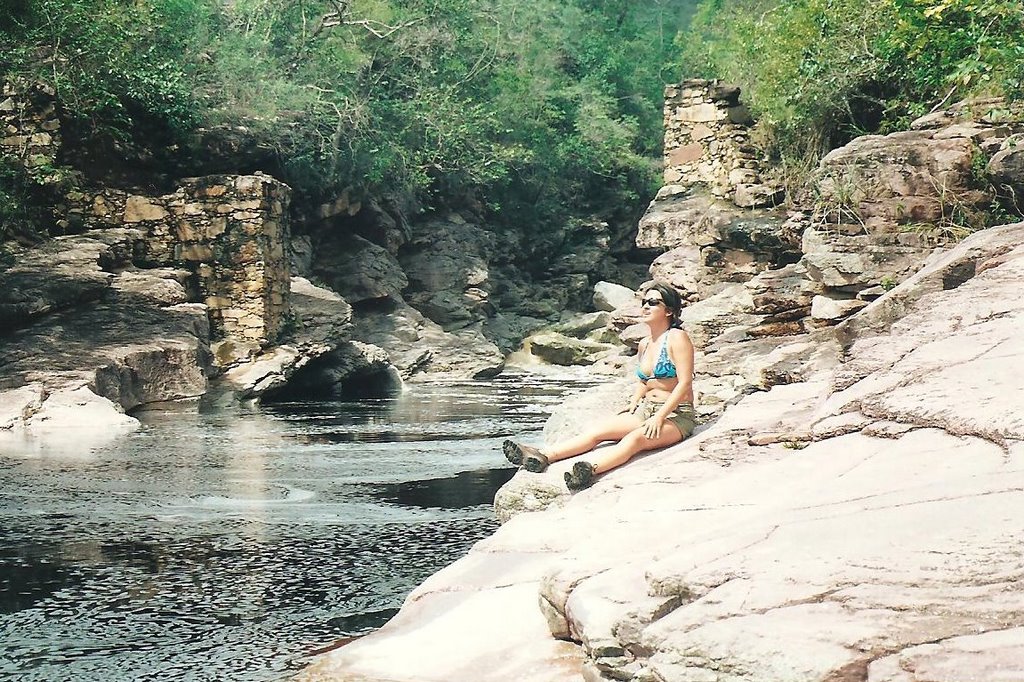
column 819, row 72
column 536, row 111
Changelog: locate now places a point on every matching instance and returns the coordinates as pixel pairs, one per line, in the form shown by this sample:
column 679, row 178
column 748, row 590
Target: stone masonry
column 707, row 142
column 231, row 232
column 30, row 126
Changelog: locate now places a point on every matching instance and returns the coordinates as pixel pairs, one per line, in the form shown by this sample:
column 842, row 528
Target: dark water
column 231, row 545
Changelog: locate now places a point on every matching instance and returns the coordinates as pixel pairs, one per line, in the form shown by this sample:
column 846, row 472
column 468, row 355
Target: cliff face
column 843, row 514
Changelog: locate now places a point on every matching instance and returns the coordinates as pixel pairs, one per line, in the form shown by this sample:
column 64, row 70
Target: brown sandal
column 524, row 455
column 580, row 477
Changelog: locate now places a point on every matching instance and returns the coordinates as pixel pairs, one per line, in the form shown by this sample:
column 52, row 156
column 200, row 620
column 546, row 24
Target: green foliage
column 24, row 196
column 538, row 111
column 115, row 65
column 819, row 72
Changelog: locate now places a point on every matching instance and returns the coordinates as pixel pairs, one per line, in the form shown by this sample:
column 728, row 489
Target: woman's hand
column 652, row 427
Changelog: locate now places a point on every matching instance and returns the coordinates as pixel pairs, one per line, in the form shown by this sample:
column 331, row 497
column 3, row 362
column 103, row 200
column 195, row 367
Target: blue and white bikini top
column 663, row 367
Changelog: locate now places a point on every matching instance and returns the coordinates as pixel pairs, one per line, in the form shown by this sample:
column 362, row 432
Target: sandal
column 536, row 463
column 580, row 477
column 517, row 453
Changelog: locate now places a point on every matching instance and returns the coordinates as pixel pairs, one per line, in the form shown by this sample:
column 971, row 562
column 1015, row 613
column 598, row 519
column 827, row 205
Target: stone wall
column 30, row 126
column 231, row 232
column 707, row 142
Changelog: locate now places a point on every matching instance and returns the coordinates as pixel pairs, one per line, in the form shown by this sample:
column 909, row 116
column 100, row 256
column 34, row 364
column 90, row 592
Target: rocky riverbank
column 855, row 525
column 843, row 513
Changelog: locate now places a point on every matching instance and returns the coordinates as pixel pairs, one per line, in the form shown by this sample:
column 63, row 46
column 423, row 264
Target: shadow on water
column 26, row 579
column 465, row 489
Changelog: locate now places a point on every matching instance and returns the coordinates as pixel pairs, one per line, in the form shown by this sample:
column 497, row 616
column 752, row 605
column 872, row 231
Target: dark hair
column 673, row 301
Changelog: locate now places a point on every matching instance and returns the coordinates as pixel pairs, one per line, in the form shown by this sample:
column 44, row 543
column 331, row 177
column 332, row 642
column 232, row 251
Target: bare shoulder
column 680, row 339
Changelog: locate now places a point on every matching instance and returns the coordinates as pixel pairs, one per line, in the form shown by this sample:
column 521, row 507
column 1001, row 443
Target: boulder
column 1006, row 171
column 881, row 203
column 69, row 421
column 358, row 269
column 832, row 310
column 579, row 326
column 421, row 349
column 711, row 242
column 559, row 349
column 447, row 266
column 609, row 296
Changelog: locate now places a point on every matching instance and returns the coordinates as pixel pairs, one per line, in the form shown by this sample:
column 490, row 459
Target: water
column 233, row 545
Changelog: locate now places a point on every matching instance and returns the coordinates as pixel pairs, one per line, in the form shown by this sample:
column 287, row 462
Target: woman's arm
column 640, row 389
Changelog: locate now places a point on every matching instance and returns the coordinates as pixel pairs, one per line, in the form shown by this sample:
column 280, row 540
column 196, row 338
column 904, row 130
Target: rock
column 987, row 656
column 62, row 273
column 579, row 326
column 358, row 269
column 864, row 192
column 447, row 268
column 711, row 242
column 892, row 558
column 421, row 349
column 322, row 326
column 70, row 421
column 163, row 286
column 265, row 372
column 351, row 370
column 832, row 310
column 757, row 196
column 853, row 263
column 559, row 349
column 1006, row 171
column 528, row 492
column 681, row 268
column 728, row 311
column 609, row 296
column 111, row 343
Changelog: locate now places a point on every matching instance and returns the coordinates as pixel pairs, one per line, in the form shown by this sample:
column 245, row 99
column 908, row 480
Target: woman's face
column 652, row 306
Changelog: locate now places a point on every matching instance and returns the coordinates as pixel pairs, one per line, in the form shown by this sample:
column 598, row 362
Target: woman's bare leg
column 613, row 428
column 631, row 444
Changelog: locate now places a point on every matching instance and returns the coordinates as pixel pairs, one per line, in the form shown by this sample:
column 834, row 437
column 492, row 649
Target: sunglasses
column 652, row 302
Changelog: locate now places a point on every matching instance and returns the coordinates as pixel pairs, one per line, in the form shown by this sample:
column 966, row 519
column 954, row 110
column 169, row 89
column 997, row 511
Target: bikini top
column 663, row 367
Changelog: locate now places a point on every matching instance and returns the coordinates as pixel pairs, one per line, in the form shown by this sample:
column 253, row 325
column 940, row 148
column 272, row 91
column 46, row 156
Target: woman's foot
column 580, row 477
column 524, row 455
column 536, row 463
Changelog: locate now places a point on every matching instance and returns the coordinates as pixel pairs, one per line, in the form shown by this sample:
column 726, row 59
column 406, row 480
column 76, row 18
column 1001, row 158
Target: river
column 232, row 544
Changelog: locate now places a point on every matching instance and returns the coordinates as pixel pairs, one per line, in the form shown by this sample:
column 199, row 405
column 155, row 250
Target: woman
column 660, row 412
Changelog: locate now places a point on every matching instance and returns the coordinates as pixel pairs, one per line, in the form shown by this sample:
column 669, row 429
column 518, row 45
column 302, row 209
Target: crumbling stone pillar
column 707, row 143
column 29, row 126
column 230, row 231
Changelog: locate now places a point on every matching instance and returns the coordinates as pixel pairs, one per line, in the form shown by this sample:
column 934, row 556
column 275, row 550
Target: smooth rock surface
column 839, row 553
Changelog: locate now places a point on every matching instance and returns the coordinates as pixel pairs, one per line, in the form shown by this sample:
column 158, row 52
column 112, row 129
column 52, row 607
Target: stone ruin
column 707, row 142
column 31, row 128
column 229, row 232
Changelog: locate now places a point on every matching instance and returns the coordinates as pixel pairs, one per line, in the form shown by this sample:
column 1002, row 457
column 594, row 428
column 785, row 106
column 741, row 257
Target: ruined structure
column 229, row 232
column 707, row 142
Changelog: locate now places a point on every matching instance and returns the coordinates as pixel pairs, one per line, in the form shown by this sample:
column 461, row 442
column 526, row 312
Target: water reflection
column 232, row 544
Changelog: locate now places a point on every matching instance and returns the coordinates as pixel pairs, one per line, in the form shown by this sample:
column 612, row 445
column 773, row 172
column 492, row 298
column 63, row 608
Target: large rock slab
column 91, row 337
column 874, row 541
column 710, row 241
